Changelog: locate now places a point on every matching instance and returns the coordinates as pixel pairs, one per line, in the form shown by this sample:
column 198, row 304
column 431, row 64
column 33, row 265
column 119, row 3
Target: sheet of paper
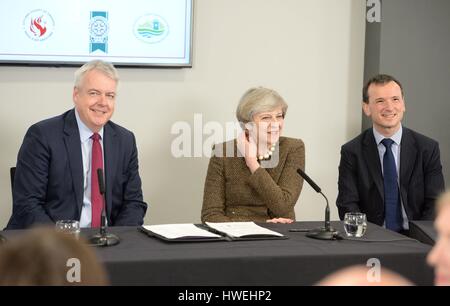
column 241, row 229
column 174, row 231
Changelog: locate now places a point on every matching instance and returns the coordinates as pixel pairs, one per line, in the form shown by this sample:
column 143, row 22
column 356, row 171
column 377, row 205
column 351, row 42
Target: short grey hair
column 257, row 100
column 106, row 68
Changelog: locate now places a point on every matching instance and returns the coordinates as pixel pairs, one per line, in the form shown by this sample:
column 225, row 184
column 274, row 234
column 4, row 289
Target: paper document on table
column 242, row 229
column 177, row 231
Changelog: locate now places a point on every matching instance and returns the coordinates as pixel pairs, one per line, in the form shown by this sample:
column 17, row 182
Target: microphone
column 310, row 181
column 103, row 238
column 101, row 187
column 101, row 182
column 326, row 232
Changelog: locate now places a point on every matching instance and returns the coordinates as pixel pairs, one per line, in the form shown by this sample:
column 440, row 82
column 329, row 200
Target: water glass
column 355, row 224
column 69, row 226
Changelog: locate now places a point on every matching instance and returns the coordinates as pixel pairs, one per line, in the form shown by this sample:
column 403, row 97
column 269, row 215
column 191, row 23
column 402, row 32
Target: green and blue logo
column 151, row 28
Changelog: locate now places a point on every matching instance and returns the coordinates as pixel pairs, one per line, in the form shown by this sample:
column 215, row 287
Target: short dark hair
column 380, row 79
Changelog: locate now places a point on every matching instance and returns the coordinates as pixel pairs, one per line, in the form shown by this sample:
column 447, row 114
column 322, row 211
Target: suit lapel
column 110, row 143
column 73, row 149
column 372, row 157
column 408, row 155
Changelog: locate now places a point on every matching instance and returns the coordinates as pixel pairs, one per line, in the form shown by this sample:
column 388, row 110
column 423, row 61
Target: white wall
column 311, row 51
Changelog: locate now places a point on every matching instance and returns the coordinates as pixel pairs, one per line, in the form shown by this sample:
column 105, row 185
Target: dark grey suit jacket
column 361, row 181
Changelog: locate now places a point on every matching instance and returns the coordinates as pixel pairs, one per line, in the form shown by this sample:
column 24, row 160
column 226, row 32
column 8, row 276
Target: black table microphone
column 326, row 232
column 103, row 238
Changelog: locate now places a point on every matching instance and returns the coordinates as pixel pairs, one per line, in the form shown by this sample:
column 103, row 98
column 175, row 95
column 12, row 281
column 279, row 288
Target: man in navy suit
column 389, row 172
column 56, row 174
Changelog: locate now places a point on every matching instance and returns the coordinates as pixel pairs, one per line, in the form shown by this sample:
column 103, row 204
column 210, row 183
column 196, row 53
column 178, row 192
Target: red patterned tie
column 96, row 197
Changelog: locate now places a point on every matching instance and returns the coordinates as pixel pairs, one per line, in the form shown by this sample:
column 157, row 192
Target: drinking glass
column 355, row 224
column 69, row 227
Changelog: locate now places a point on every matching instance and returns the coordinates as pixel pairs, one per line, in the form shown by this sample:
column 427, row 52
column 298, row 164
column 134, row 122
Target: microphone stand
column 326, row 232
column 103, row 238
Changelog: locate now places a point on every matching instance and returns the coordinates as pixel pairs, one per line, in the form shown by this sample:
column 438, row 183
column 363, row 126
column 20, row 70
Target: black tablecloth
column 143, row 260
column 423, row 231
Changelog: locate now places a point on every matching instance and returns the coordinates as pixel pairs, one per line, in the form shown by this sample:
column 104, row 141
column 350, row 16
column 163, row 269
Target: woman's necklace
column 268, row 153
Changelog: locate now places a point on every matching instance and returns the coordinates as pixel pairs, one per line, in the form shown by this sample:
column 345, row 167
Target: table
column 423, row 231
column 299, row 260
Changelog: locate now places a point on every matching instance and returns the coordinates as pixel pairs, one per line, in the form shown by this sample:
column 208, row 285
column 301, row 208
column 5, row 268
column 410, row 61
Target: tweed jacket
column 233, row 193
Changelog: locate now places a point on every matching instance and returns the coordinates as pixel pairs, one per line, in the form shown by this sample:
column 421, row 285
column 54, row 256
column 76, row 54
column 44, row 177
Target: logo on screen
column 151, row 28
column 38, row 25
column 98, row 32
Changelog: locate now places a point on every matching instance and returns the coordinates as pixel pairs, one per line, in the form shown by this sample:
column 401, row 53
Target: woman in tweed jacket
column 254, row 177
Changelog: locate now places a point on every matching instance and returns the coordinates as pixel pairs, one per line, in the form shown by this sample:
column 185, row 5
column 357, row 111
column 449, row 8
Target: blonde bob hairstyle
column 258, row 100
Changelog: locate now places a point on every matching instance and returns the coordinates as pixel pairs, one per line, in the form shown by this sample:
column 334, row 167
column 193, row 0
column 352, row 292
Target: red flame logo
column 37, row 28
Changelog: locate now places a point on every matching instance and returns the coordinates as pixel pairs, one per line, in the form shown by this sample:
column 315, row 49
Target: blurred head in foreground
column 439, row 257
column 49, row 258
column 363, row 276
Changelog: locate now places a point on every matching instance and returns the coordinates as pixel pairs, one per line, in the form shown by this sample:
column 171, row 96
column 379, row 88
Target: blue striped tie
column 393, row 214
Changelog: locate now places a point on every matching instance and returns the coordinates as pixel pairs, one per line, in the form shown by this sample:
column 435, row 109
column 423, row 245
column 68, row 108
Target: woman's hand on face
column 280, row 220
column 246, row 145
column 248, row 148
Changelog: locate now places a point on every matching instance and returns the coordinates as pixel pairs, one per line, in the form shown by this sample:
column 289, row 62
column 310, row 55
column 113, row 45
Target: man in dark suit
column 56, row 175
column 389, row 172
